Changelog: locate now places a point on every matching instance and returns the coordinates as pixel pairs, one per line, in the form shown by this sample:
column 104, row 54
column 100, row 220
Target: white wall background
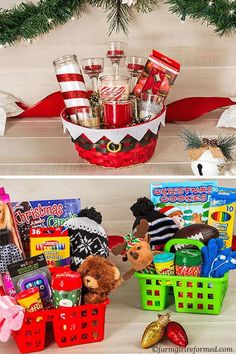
column 209, row 62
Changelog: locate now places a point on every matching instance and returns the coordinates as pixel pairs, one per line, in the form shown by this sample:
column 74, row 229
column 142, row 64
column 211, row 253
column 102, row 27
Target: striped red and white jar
column 72, row 85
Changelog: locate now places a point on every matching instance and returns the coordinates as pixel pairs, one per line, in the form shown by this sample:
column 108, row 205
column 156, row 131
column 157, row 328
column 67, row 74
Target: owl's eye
column 97, row 276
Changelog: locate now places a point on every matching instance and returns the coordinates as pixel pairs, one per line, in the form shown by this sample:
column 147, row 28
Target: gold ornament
column 155, row 331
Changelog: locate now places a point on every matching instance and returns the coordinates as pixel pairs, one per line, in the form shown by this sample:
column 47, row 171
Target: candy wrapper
column 158, row 76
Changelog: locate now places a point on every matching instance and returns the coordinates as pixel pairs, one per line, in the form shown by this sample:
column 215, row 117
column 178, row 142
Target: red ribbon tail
column 190, row 108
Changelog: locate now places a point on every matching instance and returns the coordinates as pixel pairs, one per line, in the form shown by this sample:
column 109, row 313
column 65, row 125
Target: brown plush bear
column 100, row 277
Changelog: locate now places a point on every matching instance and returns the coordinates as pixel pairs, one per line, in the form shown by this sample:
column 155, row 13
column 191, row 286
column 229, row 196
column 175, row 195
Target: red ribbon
column 70, row 77
column 185, row 109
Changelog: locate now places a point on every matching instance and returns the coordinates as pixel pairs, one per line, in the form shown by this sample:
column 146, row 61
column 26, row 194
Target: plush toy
column 87, row 236
column 140, row 257
column 131, row 239
column 11, row 317
column 161, row 227
column 100, row 277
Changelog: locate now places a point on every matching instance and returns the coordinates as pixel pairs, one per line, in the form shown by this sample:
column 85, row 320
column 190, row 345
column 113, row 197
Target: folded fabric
column 8, row 108
column 228, row 118
column 11, row 317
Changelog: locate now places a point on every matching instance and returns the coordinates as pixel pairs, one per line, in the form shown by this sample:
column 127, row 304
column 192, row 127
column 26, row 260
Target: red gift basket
column 115, row 148
column 70, row 326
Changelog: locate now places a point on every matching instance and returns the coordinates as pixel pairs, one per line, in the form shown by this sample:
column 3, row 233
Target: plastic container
column 164, row 263
column 66, row 289
column 191, row 294
column 70, row 326
column 188, row 263
column 30, row 299
column 101, row 147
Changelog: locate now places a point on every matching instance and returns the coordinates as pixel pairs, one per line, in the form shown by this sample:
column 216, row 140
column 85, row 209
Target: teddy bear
column 100, row 277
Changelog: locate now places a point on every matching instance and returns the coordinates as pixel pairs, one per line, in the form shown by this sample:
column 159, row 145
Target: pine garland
column 218, row 13
column 27, row 20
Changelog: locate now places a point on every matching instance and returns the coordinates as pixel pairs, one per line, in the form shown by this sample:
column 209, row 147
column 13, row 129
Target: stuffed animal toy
column 161, row 227
column 131, row 239
column 140, row 257
column 137, row 249
column 100, row 277
column 87, row 236
column 11, row 317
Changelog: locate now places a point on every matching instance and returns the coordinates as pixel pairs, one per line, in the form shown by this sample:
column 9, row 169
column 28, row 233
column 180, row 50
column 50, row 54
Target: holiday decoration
column 176, row 334
column 72, row 86
column 187, row 109
column 208, row 156
column 28, row 20
column 155, row 331
column 218, row 13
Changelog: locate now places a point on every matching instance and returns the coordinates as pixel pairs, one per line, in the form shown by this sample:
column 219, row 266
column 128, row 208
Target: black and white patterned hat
column 87, row 236
column 161, row 227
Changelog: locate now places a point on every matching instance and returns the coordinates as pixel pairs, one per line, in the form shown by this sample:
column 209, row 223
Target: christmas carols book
column 186, row 202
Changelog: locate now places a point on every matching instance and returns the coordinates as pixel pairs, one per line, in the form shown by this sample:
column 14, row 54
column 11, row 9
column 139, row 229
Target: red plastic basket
column 104, row 152
column 70, row 326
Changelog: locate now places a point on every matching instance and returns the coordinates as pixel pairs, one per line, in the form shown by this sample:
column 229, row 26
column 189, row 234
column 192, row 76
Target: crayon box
column 54, row 243
column 222, row 213
column 42, row 213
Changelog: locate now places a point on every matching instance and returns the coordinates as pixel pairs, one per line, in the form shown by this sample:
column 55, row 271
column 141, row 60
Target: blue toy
column 217, row 261
column 209, row 254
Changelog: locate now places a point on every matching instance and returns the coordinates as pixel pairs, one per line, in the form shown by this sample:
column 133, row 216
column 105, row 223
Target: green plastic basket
column 191, row 294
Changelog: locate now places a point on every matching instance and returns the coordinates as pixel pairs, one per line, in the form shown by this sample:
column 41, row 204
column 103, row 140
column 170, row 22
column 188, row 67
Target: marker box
column 222, row 213
column 53, row 242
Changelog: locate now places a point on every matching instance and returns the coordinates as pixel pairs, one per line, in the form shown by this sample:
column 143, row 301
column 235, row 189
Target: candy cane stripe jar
column 72, row 84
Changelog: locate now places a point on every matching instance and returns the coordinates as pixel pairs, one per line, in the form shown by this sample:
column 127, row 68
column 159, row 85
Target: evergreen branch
column 191, row 139
column 119, row 17
column 28, row 20
column 218, row 13
column 145, row 6
column 227, row 144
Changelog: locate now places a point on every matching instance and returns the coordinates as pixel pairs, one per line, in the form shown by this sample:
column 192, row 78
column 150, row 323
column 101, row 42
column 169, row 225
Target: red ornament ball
column 176, row 334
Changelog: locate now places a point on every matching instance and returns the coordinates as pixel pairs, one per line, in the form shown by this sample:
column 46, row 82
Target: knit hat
column 170, row 209
column 87, row 236
column 161, row 227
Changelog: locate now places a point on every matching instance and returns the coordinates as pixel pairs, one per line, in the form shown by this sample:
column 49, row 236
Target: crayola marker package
column 222, row 213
